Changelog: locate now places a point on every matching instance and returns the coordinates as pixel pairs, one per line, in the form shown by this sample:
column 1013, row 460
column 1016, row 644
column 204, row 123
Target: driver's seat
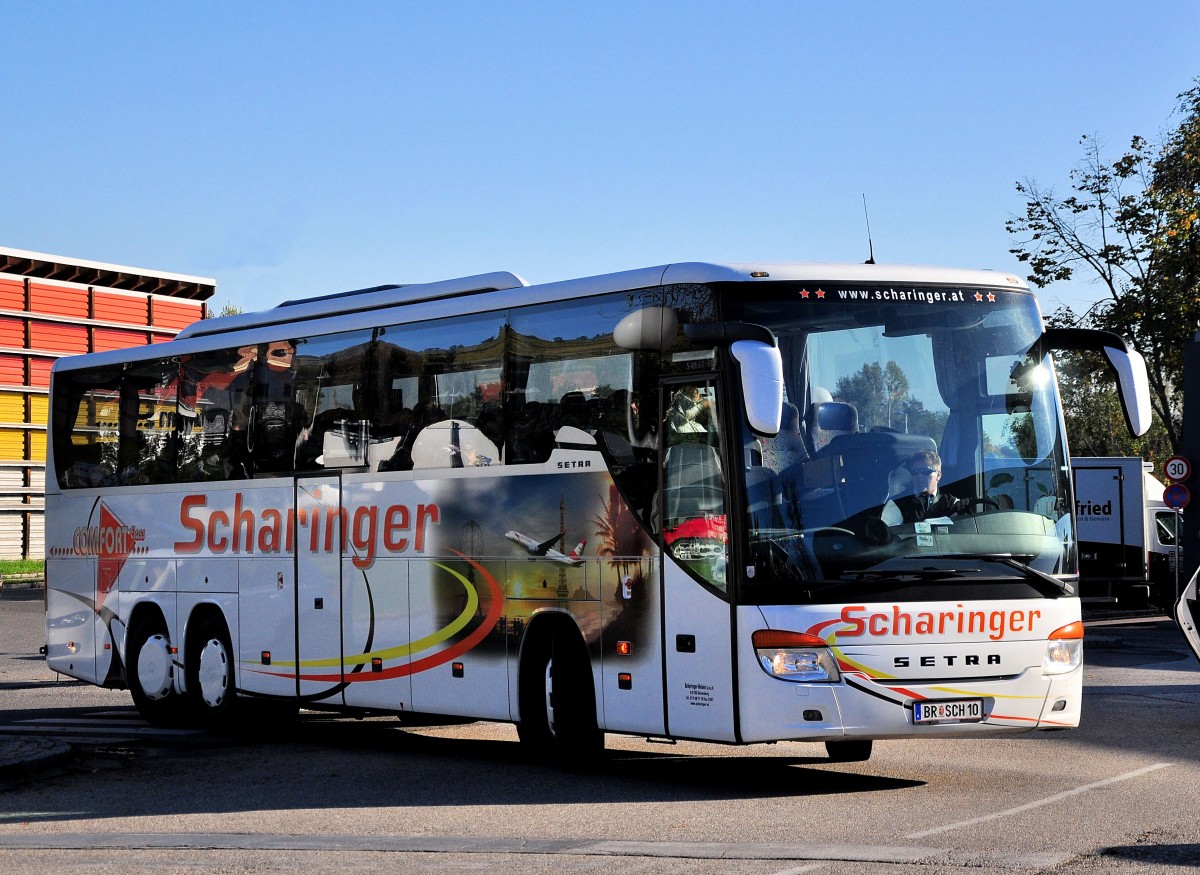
column 899, row 483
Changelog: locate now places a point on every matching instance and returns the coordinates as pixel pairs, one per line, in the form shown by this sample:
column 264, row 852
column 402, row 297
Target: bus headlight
column 1064, row 649
column 795, row 656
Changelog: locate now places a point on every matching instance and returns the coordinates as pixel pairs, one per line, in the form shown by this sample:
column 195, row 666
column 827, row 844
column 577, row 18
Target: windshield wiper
column 879, row 579
column 907, row 573
column 1030, row 573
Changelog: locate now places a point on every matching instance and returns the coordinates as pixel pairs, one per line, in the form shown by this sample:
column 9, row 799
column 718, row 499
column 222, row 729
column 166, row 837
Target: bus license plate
column 949, row 711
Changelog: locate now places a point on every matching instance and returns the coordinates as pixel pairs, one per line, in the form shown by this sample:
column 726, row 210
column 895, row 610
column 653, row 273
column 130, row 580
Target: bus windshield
column 920, row 442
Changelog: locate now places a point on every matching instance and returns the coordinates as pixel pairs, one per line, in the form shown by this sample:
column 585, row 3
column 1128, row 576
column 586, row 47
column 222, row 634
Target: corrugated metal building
column 51, row 306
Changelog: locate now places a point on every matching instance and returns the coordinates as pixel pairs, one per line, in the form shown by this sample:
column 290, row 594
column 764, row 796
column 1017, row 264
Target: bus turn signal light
column 1071, row 630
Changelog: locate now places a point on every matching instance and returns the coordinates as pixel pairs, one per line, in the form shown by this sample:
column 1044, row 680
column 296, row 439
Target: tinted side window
column 565, row 369
column 441, row 389
column 326, row 418
column 86, row 414
column 115, row 426
column 214, row 414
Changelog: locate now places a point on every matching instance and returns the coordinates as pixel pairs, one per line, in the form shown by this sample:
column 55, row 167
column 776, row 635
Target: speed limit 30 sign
column 1177, row 468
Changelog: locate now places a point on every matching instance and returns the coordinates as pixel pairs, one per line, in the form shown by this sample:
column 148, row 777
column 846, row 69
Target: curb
column 30, row 582
column 22, row 757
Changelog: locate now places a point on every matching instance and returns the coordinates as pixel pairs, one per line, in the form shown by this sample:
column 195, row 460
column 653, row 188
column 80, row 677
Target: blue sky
column 289, row 149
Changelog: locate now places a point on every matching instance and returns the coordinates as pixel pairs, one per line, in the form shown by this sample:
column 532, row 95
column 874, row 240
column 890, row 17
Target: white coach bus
column 675, row 502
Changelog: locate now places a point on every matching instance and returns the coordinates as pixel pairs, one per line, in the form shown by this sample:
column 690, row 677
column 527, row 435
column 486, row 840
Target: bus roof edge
column 350, row 302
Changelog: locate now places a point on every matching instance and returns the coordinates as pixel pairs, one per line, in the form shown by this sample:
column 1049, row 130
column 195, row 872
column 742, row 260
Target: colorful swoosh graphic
column 454, row 627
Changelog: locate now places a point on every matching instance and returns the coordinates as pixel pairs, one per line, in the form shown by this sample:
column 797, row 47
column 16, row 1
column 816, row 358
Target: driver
column 925, row 501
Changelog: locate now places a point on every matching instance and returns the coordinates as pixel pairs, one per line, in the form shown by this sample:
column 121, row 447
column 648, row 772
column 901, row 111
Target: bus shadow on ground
column 1172, row 854
column 336, row 765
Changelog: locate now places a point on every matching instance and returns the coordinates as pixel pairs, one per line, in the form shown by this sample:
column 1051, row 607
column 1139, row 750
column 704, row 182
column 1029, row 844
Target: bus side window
column 85, row 452
column 276, row 419
column 565, row 369
column 147, row 451
column 214, row 411
column 442, row 402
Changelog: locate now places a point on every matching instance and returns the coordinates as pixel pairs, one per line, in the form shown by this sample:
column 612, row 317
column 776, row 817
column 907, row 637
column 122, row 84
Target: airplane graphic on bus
column 545, row 548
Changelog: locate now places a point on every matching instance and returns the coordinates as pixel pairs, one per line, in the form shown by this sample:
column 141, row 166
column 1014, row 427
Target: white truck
column 1127, row 534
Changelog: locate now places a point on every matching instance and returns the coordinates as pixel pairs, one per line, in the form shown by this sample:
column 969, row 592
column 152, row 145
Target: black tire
column 856, row 751
column 210, row 673
column 558, row 702
column 150, row 673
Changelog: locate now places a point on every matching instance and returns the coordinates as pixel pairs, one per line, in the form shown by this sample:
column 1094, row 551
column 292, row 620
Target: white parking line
column 1029, row 806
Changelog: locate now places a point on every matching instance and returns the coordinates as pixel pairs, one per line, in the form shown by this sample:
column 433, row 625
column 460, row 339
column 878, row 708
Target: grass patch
column 21, row 566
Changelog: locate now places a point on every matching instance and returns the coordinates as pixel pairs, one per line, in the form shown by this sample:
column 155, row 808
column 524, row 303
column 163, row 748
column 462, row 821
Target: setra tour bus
column 675, row 502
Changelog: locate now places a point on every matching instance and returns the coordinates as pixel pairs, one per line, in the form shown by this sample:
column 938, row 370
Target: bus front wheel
column 558, row 702
column 210, row 678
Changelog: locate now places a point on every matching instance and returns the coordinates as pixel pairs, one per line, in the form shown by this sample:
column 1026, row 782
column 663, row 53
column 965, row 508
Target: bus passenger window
column 443, row 401
column 214, row 411
column 86, row 450
column 147, row 429
column 566, row 370
column 331, row 403
column 277, row 419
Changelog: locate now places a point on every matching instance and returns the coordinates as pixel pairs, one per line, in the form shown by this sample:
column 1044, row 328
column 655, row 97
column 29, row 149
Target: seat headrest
column 835, row 416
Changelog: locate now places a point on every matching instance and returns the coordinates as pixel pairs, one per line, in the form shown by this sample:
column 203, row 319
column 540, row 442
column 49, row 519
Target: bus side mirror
column 760, row 362
column 1127, row 363
column 1133, row 387
column 762, row 384
column 650, row 329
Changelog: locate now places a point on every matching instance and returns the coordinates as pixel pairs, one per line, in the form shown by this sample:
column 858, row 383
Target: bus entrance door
column 1187, row 614
column 319, row 522
column 697, row 616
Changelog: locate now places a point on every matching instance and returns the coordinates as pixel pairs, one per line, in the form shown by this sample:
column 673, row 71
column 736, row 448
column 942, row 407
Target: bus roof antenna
column 870, row 243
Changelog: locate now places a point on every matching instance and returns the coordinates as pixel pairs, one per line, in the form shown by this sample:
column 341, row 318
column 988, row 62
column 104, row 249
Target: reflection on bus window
column 214, row 411
column 441, row 406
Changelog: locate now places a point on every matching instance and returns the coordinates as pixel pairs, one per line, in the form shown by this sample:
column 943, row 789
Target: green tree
column 1094, row 417
column 1131, row 226
column 882, row 396
column 227, row 309
column 876, row 391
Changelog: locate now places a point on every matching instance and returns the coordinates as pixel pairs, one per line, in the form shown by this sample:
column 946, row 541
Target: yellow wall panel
column 12, row 444
column 12, row 407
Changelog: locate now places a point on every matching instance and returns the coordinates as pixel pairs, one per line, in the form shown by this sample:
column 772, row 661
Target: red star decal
column 820, row 293
column 978, row 296
column 804, row 294
column 991, row 297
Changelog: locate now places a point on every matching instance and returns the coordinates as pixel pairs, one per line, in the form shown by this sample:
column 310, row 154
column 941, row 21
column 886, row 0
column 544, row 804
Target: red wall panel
column 39, row 372
column 12, row 370
column 56, row 337
column 12, row 332
column 58, row 300
column 115, row 338
column 12, row 295
column 175, row 314
column 112, row 307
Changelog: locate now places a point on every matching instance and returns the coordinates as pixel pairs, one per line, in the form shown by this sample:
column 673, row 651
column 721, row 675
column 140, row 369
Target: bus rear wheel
column 558, row 702
column 856, row 751
column 210, row 677
column 150, row 673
